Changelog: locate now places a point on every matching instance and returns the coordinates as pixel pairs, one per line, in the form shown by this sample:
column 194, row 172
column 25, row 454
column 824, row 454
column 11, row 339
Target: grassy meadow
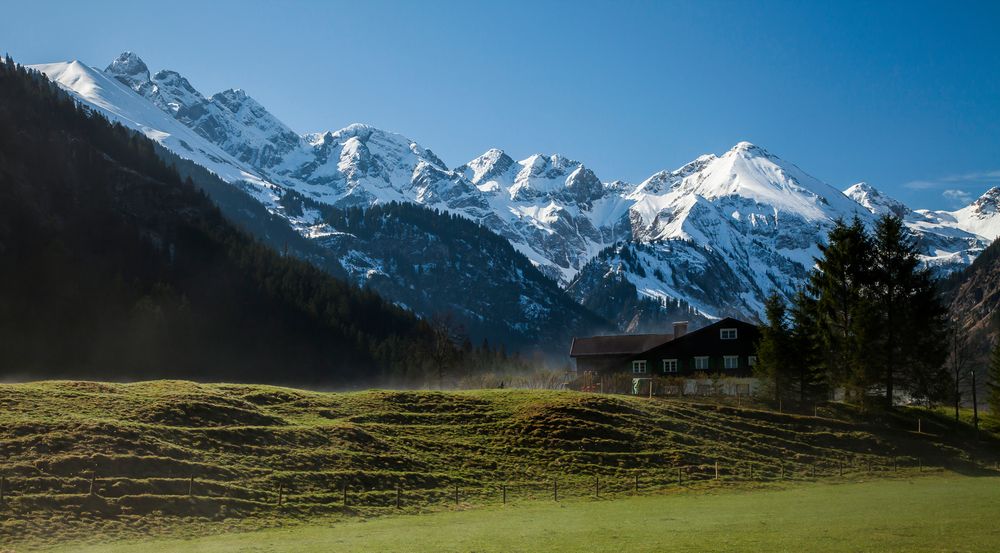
column 95, row 463
column 928, row 514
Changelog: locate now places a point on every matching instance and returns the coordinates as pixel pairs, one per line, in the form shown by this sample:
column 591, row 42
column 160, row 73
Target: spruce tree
column 907, row 337
column 773, row 359
column 843, row 312
column 993, row 381
column 810, row 376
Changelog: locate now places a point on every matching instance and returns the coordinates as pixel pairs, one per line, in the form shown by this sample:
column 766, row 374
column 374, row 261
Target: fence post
column 93, row 476
column 555, row 490
column 782, row 465
column 894, row 466
column 191, row 487
column 680, row 478
column 456, row 494
column 920, row 426
column 597, row 486
column 344, row 486
column 399, row 492
column 815, row 410
column 636, row 483
column 281, row 491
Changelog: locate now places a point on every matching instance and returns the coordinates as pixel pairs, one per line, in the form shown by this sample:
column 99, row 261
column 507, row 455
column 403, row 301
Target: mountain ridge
column 746, row 212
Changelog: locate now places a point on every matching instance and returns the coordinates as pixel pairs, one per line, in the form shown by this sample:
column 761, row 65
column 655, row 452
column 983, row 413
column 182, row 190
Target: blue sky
column 905, row 96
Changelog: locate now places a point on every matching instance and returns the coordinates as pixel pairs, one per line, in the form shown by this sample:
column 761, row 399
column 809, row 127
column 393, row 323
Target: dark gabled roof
column 693, row 335
column 626, row 344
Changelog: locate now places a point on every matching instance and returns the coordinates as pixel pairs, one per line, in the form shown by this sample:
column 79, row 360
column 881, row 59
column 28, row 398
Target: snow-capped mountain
column 875, row 201
column 981, row 217
column 947, row 241
column 715, row 236
column 723, row 232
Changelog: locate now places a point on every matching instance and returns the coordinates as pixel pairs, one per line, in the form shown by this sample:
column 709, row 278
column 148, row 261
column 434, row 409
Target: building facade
column 727, row 347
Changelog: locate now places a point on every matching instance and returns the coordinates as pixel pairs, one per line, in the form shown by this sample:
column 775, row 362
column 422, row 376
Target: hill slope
column 143, row 442
column 114, row 267
column 974, row 296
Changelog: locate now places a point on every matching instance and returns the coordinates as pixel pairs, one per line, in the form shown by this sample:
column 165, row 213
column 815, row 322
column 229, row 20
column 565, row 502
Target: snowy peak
column 489, row 167
column 981, row 217
column 748, row 149
column 128, row 65
column 988, row 203
column 663, row 181
column 131, row 71
column 875, row 201
column 749, row 172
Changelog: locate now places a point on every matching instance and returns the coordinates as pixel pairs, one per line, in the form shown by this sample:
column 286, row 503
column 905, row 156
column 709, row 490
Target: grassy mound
column 135, row 456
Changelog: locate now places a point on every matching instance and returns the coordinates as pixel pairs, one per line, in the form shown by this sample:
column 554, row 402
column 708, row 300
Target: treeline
column 869, row 322
column 112, row 266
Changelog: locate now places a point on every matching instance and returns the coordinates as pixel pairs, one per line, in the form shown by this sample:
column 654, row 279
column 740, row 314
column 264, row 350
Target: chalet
column 727, row 347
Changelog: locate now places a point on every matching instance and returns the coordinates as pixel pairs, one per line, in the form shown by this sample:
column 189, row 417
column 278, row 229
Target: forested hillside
column 112, row 266
column 974, row 296
column 446, row 265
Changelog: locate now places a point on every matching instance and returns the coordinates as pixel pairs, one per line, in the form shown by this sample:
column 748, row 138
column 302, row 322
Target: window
column 701, row 363
column 639, row 367
column 727, row 333
column 669, row 365
column 752, row 360
column 731, row 361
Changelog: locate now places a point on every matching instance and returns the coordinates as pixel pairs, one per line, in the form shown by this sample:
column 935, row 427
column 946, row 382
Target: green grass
column 139, row 446
column 932, row 514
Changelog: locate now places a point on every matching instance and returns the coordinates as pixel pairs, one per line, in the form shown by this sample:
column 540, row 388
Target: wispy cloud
column 976, row 178
column 957, row 198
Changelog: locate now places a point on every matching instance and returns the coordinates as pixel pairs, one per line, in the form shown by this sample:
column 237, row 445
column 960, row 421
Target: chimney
column 680, row 329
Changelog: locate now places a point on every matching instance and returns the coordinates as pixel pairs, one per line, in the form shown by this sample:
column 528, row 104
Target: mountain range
column 712, row 238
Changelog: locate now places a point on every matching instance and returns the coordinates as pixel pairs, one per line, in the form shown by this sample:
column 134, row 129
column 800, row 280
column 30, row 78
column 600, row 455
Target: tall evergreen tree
column 993, row 382
column 774, row 363
column 908, row 338
column 842, row 310
column 810, row 376
column 909, row 343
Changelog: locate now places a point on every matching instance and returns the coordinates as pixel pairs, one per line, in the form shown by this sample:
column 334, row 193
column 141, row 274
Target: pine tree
column 907, row 334
column 773, row 359
column 993, row 382
column 842, row 310
column 810, row 376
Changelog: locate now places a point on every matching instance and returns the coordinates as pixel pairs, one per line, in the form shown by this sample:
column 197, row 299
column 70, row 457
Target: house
column 727, row 347
column 610, row 354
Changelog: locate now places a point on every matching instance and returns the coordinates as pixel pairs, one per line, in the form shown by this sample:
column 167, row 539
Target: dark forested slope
column 974, row 297
column 112, row 266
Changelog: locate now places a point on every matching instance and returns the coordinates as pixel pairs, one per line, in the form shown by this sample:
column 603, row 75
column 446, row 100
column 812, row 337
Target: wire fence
column 201, row 496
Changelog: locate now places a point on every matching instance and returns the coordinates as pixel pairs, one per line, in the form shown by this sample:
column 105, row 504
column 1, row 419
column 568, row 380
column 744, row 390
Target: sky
column 902, row 95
